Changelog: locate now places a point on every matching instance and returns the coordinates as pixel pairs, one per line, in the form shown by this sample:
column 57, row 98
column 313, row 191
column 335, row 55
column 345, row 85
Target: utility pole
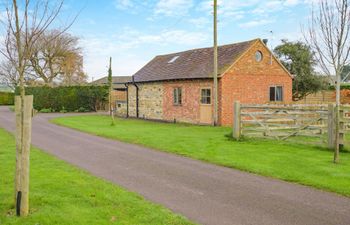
column 215, row 91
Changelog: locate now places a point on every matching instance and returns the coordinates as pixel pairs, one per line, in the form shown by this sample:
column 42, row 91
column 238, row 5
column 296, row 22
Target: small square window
column 206, row 96
column 276, row 93
column 177, row 96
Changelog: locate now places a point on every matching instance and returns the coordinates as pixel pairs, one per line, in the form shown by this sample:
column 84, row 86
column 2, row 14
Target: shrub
column 68, row 99
column 63, row 110
column 7, row 98
column 82, row 109
column 45, row 110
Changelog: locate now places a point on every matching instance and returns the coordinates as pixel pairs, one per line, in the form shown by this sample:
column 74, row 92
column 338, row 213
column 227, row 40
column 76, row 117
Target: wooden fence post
column 237, row 120
column 23, row 141
column 341, row 128
column 331, row 123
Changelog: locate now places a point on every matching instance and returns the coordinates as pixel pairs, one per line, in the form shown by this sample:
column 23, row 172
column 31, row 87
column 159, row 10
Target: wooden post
column 341, row 128
column 331, row 130
column 237, row 120
column 337, row 134
column 215, row 75
column 23, row 140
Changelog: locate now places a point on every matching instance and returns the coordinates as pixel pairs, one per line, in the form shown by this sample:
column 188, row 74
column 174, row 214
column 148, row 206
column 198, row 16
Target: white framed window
column 206, row 96
column 276, row 93
column 177, row 96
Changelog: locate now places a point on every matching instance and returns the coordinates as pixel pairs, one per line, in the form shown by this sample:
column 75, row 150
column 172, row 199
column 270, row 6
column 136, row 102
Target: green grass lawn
column 62, row 194
column 300, row 163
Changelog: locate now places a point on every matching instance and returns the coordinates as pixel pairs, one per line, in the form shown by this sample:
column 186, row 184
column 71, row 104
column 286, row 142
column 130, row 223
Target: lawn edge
column 88, row 173
column 320, row 188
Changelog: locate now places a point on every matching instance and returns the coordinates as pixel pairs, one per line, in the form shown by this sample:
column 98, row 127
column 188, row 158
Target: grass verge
column 63, row 194
column 300, row 163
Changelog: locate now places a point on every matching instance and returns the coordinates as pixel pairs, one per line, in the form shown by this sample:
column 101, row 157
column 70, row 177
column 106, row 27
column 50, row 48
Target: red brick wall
column 190, row 108
column 119, row 95
column 248, row 82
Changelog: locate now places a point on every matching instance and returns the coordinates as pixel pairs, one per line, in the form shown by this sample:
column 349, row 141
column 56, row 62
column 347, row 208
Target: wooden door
column 206, row 114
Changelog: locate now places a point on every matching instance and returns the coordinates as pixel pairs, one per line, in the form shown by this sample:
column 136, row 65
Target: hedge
column 68, row 99
column 342, row 87
column 7, row 98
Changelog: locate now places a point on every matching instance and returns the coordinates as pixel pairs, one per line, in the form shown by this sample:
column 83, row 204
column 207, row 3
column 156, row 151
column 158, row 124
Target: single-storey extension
column 119, row 93
column 179, row 86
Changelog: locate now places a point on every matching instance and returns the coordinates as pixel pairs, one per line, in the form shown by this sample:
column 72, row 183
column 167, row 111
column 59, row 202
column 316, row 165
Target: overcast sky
column 134, row 31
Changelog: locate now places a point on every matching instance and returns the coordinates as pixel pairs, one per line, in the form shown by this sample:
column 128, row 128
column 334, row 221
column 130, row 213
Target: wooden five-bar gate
column 282, row 122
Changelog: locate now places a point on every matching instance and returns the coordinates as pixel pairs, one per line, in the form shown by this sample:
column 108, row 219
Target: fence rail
column 285, row 121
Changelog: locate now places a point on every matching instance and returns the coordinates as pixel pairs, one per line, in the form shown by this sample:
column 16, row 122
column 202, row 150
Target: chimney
column 265, row 41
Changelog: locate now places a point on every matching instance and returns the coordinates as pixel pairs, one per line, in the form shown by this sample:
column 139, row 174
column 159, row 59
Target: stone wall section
column 150, row 101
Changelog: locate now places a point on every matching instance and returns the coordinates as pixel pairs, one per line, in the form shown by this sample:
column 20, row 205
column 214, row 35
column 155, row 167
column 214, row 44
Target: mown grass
column 63, row 194
column 300, row 163
column 12, row 108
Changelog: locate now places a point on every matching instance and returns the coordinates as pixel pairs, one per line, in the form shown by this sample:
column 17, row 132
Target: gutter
column 137, row 97
column 127, row 100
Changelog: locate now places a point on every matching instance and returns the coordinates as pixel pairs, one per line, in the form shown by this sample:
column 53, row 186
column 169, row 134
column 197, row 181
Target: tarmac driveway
column 202, row 192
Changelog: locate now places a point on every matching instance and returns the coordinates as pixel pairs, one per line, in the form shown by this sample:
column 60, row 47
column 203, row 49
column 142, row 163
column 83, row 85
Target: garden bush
column 7, row 98
column 45, row 110
column 342, row 87
column 68, row 99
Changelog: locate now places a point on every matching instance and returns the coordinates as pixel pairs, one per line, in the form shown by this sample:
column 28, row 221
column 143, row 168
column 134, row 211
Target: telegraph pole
column 215, row 88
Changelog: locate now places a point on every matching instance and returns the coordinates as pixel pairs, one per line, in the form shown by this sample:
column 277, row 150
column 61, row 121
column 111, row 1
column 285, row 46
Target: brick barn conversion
column 178, row 87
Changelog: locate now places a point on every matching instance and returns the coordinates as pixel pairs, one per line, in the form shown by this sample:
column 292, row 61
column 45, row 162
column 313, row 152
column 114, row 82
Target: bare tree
column 72, row 70
column 23, row 28
column 328, row 36
column 8, row 75
column 56, row 55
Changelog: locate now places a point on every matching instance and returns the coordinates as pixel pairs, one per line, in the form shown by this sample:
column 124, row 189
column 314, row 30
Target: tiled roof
column 191, row 64
column 118, row 81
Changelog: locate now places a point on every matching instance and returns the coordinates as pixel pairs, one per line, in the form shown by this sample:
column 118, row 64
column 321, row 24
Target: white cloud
column 124, row 4
column 184, row 37
column 97, row 49
column 255, row 23
column 200, row 22
column 226, row 7
column 291, row 2
column 238, row 9
column 132, row 38
column 173, row 7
